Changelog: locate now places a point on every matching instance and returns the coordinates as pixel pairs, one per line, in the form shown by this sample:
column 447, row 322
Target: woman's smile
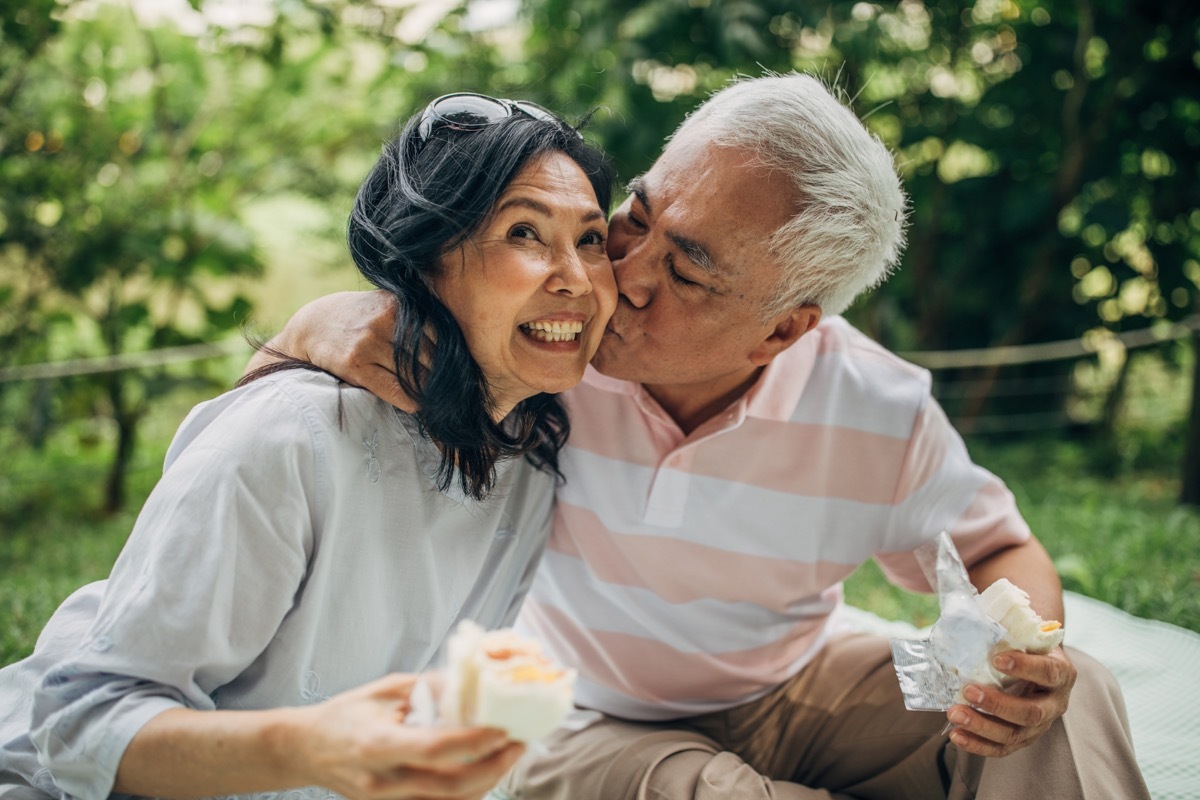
column 533, row 289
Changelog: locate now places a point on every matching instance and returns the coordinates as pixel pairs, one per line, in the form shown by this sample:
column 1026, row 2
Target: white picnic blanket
column 1158, row 667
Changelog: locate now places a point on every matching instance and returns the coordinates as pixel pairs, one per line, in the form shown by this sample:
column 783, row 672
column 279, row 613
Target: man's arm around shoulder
column 348, row 334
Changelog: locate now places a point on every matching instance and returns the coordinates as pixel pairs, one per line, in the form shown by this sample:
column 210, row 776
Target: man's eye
column 635, row 222
column 676, row 277
column 682, row 281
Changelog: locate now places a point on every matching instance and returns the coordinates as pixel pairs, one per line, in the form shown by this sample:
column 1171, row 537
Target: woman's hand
column 357, row 745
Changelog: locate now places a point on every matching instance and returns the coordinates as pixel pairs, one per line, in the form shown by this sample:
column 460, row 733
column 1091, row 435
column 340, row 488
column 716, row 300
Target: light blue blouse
column 295, row 547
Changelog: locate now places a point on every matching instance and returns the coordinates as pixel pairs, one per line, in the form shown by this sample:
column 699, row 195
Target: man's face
column 690, row 253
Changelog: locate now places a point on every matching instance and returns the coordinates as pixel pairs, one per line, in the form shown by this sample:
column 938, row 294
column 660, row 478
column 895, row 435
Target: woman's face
column 533, row 289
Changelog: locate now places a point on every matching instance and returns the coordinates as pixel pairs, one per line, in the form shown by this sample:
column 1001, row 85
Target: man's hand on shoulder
column 1001, row 721
column 348, row 334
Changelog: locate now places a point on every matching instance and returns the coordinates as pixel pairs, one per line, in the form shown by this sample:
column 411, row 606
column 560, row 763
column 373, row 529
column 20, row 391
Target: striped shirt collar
column 772, row 397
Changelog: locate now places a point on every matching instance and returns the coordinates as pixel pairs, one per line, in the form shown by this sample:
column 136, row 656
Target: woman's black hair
column 420, row 201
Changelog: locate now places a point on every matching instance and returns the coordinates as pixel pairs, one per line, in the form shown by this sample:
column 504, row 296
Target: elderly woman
column 309, row 544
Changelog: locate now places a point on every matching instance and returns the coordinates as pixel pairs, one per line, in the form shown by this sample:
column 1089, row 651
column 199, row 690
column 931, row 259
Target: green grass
column 1106, row 513
column 1105, row 509
column 52, row 538
column 1122, row 539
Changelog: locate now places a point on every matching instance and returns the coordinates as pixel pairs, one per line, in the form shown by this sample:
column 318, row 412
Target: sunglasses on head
column 468, row 111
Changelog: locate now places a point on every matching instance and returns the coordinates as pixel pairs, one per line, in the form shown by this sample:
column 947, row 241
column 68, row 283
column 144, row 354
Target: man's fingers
column 368, row 356
column 980, row 746
column 381, row 382
column 986, row 726
column 999, row 722
column 1052, row 670
column 1031, row 711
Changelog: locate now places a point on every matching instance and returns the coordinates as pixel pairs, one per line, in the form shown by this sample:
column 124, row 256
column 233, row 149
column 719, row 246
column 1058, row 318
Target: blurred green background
column 178, row 173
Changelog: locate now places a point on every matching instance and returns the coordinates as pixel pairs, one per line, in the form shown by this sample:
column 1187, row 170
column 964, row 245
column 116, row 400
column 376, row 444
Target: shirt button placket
column 669, row 491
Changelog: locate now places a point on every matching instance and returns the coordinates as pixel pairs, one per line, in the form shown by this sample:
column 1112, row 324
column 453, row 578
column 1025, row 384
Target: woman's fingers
column 446, row 749
column 466, row 781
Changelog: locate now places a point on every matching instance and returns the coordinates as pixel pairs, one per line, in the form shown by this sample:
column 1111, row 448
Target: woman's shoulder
column 321, row 397
column 287, row 409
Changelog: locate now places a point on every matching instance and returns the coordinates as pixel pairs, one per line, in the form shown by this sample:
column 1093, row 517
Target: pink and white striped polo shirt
column 687, row 574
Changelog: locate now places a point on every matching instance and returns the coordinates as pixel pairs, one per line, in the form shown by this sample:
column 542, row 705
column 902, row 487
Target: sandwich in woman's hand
column 499, row 679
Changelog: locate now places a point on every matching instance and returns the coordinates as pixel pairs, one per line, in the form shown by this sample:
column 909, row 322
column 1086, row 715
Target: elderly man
column 739, row 450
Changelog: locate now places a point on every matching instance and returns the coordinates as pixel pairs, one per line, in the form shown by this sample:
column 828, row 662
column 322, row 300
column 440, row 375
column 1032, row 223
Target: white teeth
column 553, row 330
column 555, row 326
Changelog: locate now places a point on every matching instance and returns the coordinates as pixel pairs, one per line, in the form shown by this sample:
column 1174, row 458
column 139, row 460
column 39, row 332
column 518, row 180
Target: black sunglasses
column 467, row 111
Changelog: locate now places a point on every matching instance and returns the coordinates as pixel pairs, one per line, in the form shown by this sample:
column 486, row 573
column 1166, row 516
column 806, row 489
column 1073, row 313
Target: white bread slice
column 501, row 680
column 1008, row 604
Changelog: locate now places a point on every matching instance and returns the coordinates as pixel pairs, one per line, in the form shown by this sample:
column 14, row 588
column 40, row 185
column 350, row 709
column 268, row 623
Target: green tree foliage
column 129, row 153
column 118, row 193
column 1049, row 147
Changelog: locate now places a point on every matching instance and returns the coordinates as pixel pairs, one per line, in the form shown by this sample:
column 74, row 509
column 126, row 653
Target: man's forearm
column 265, row 356
column 1027, row 565
column 347, row 334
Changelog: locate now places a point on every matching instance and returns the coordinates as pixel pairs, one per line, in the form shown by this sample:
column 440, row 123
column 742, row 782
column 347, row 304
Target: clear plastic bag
column 958, row 651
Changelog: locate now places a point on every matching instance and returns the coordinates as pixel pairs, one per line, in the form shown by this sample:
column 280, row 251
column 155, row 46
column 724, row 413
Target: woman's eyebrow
column 545, row 210
column 527, row 202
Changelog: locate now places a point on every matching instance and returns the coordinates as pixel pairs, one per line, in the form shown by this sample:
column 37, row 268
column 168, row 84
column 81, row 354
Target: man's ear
column 787, row 331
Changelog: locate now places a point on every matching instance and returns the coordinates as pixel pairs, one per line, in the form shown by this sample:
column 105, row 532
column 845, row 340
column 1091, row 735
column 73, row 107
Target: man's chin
column 608, row 362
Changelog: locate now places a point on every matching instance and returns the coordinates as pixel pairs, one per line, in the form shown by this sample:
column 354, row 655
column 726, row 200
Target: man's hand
column 1002, row 721
column 350, row 335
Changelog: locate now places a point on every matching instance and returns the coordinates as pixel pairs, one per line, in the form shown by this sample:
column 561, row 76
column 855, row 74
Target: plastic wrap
column 934, row 670
column 971, row 630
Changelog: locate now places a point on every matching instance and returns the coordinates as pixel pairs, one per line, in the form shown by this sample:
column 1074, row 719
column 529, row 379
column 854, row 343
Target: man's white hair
column 848, row 232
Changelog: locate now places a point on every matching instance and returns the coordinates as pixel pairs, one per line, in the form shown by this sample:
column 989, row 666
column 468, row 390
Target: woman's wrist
column 189, row 753
column 284, row 738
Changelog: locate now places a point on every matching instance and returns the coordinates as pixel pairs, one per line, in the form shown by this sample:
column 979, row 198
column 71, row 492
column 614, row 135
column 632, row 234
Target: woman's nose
column 570, row 276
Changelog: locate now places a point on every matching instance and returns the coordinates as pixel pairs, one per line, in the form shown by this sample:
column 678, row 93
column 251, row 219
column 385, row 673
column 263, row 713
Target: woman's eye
column 592, row 238
column 523, row 232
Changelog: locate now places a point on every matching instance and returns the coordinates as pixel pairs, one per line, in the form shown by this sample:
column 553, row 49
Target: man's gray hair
column 848, row 232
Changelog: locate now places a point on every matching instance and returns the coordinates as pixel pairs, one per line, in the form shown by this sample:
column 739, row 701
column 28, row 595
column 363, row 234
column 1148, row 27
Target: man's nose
column 635, row 281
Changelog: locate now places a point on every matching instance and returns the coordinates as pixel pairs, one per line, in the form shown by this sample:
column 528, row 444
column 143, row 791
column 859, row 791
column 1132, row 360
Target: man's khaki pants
column 839, row 730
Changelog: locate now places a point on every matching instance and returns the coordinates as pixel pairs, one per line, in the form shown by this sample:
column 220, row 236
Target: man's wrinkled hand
column 349, row 334
column 1001, row 721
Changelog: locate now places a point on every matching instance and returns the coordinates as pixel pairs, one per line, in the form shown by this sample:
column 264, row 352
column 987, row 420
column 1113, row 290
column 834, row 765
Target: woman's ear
column 788, row 329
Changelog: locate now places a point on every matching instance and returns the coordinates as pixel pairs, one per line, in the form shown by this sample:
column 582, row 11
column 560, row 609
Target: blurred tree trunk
column 126, row 419
column 1116, row 398
column 1190, row 491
